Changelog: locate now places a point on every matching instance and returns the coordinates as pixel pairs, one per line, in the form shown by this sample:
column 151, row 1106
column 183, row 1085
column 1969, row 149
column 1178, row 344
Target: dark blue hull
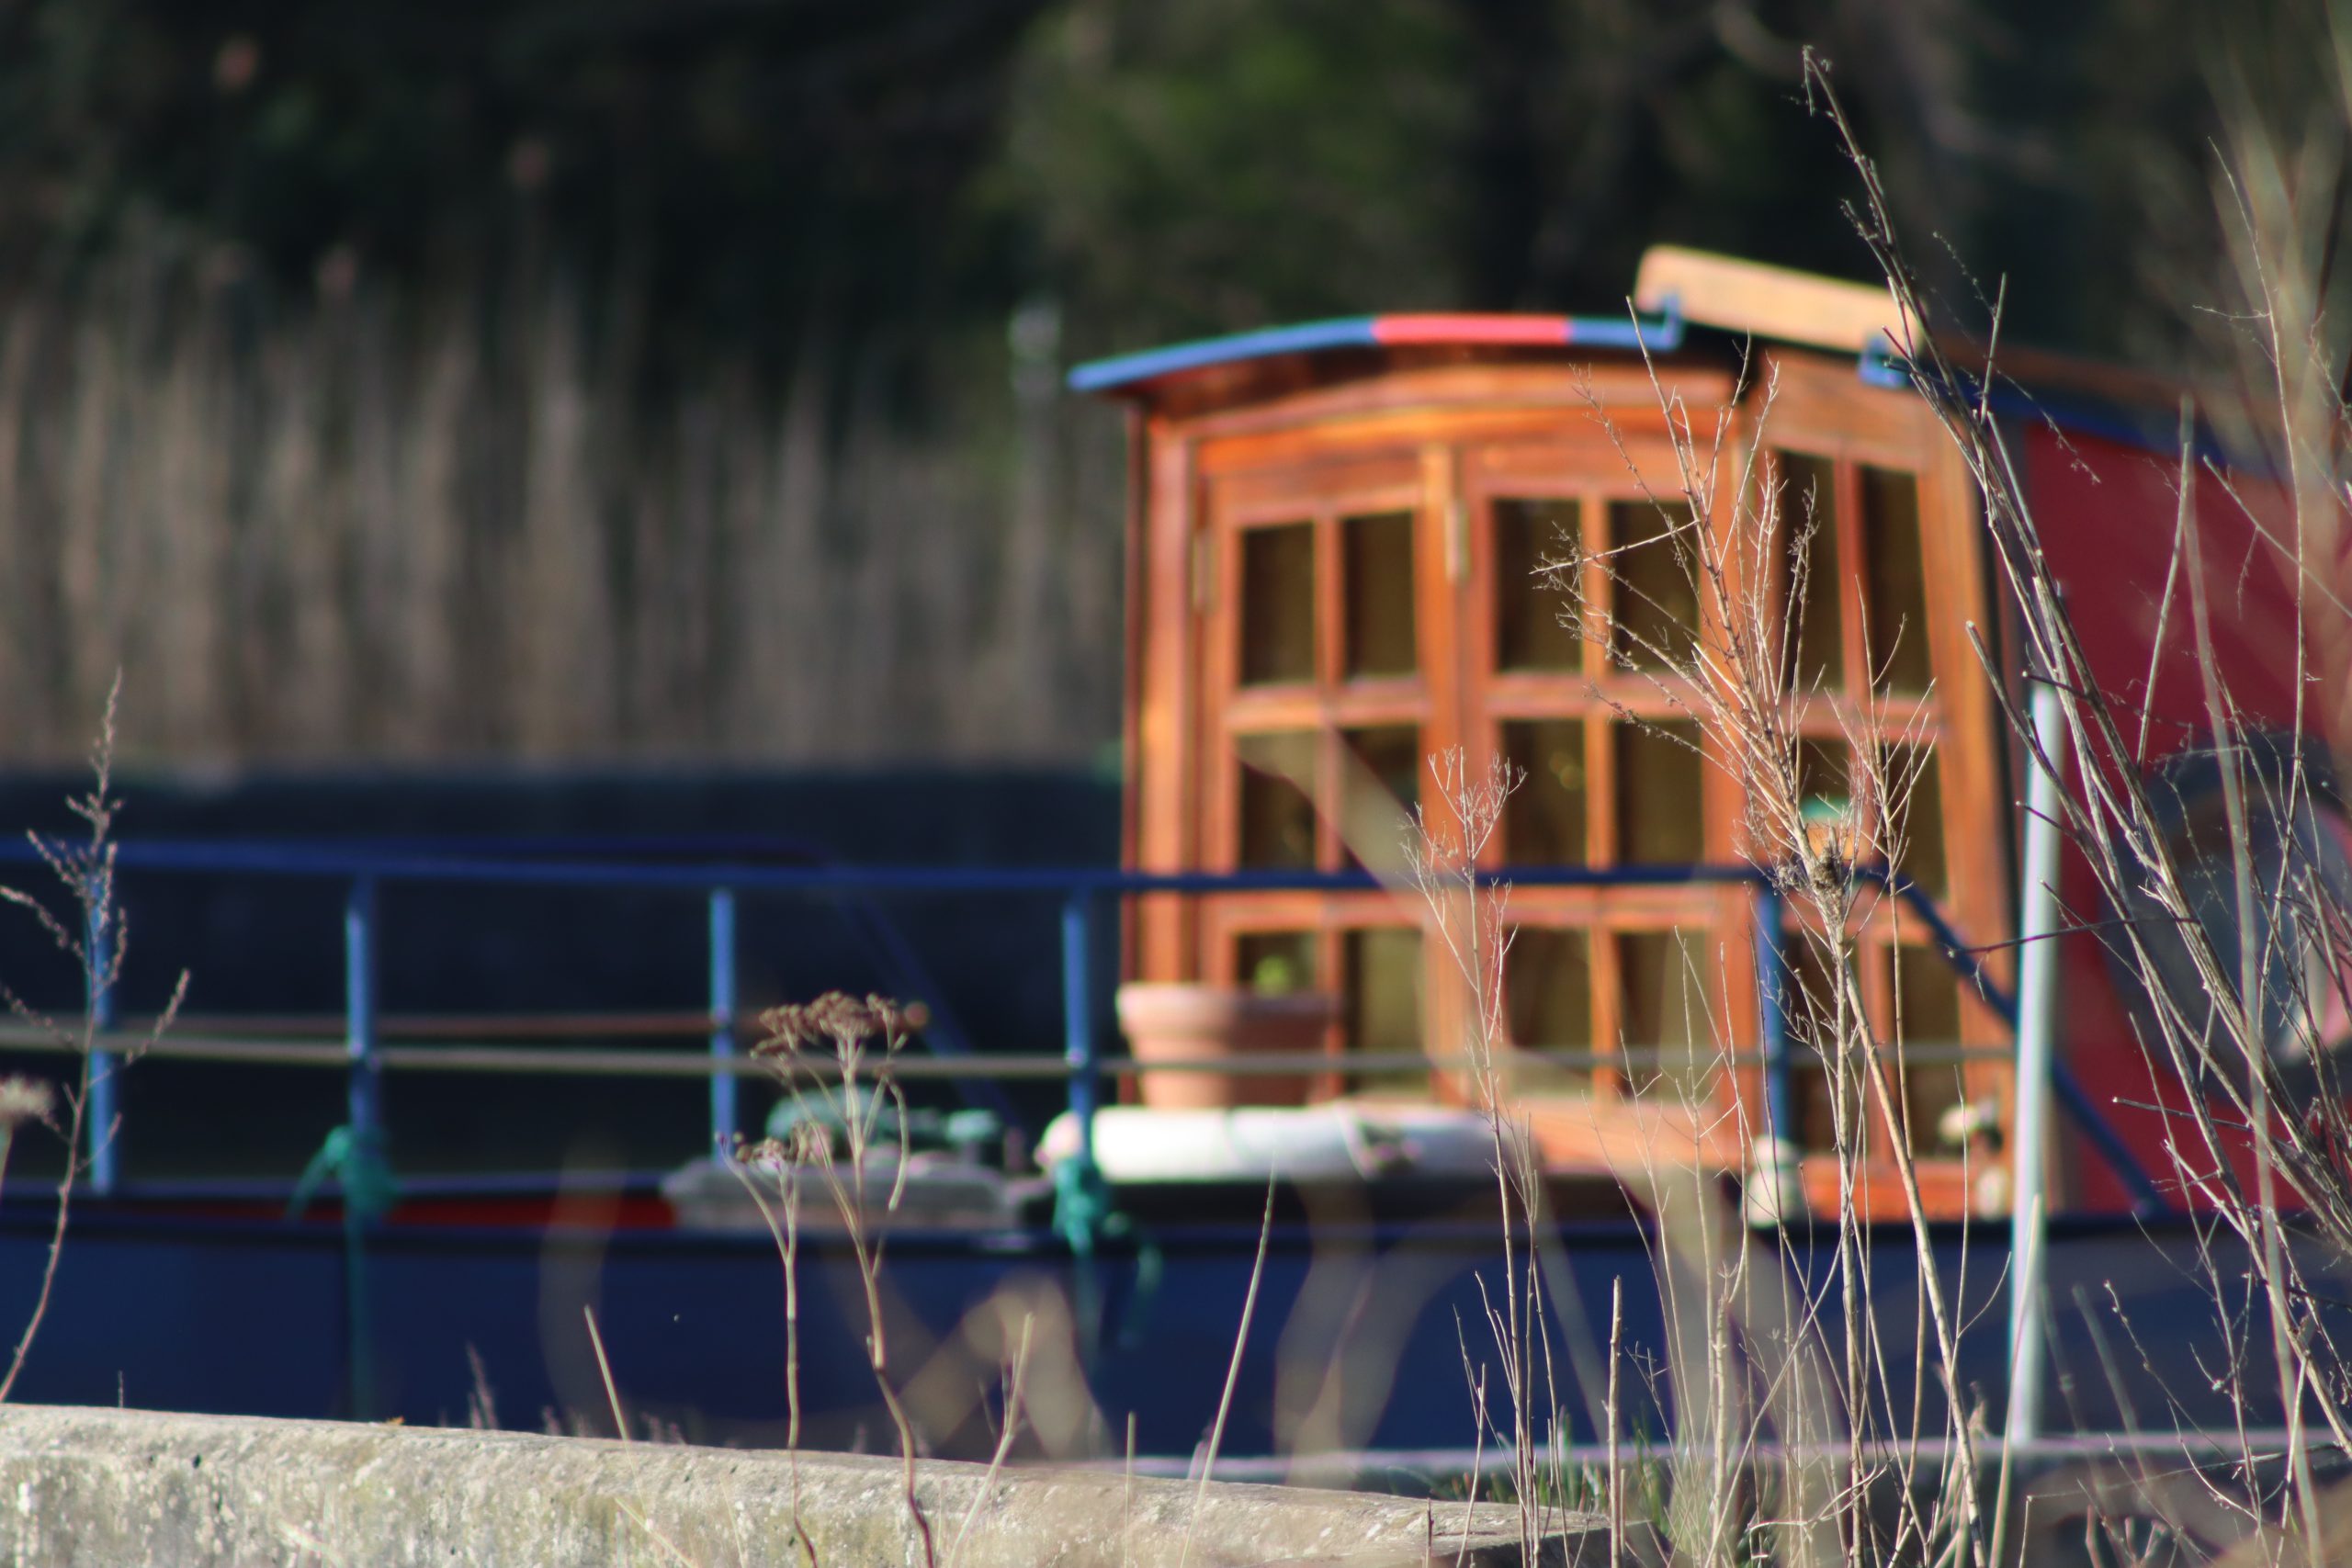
column 1357, row 1340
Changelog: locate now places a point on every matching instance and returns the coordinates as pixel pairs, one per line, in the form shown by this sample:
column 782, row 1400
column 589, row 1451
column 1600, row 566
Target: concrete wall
column 122, row 1487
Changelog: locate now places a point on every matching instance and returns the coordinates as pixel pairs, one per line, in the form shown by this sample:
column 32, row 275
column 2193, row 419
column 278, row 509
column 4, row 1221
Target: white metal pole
column 2037, row 1023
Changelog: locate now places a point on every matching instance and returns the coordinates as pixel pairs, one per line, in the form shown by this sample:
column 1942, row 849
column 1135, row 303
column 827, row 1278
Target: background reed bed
column 371, row 526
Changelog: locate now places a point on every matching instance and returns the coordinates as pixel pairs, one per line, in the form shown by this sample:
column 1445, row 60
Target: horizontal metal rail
column 646, row 1025
column 559, row 1061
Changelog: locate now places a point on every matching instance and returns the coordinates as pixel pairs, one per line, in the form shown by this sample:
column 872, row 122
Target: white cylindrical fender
column 1324, row 1143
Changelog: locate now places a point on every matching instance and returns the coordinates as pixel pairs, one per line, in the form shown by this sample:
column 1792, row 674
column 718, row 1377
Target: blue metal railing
column 363, row 868
column 723, row 1114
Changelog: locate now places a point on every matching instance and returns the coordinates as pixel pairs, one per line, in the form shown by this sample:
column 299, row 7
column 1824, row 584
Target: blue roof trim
column 1352, row 331
column 2127, row 424
column 1661, row 333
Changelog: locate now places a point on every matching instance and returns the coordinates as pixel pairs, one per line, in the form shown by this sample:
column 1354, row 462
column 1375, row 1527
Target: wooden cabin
column 1336, row 537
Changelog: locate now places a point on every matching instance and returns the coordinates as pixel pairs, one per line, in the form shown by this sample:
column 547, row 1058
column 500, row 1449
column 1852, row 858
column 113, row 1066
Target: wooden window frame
column 1426, row 435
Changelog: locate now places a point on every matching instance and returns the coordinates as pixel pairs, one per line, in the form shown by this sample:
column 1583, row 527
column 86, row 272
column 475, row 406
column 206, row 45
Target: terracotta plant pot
column 1181, row 1020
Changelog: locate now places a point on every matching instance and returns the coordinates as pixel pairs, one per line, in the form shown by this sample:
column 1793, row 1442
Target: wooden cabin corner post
column 1166, row 664
column 1136, row 545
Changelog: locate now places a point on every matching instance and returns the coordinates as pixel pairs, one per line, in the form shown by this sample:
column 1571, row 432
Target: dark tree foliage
column 1206, row 165
column 731, row 164
column 724, row 172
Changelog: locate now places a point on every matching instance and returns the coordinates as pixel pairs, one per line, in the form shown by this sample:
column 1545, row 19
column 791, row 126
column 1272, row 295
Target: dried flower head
column 809, row 1143
column 25, row 1100
column 841, row 1020
column 765, row 1155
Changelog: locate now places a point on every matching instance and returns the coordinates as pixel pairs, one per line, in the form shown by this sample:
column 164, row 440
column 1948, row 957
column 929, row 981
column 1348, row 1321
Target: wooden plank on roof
column 1773, row 302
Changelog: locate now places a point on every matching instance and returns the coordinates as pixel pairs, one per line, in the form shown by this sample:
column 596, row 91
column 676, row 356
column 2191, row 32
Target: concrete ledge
column 121, row 1487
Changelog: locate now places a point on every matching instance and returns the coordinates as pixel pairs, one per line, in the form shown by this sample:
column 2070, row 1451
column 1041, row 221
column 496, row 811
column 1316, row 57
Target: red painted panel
column 2108, row 514
column 1549, row 331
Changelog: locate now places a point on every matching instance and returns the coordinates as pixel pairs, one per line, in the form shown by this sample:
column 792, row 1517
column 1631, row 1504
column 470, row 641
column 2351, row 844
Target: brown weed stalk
column 93, row 935
column 853, row 1042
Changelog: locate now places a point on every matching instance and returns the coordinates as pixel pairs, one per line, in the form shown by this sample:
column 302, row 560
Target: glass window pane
column 1543, row 821
column 1276, row 964
column 1825, row 790
column 1668, row 979
column 1920, row 816
column 1825, row 784
column 1384, row 1004
column 1382, row 786
column 1813, row 589
column 1896, row 582
column 1376, row 576
column 1927, row 994
column 1809, row 1004
column 1278, row 603
column 1528, row 633
column 1661, row 815
column 1655, row 604
column 1278, row 779
column 1547, row 1006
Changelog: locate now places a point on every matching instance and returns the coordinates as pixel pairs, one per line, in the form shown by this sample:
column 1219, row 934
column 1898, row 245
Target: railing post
column 2037, row 1021
column 724, row 1125
column 1080, row 1203
column 361, row 1164
column 1775, row 1187
column 364, row 1105
column 97, row 938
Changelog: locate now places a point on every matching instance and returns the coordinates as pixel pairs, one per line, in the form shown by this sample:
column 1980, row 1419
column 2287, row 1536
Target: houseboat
column 1362, row 552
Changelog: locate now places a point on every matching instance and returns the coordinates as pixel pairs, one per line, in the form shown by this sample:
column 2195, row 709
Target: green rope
column 357, row 1161
column 1086, row 1216
column 1083, row 1213
column 358, row 1167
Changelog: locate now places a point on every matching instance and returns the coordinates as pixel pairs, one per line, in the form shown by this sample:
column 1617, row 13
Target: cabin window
column 1547, row 1006
column 1529, row 633
column 1811, row 589
column 1377, row 571
column 1383, row 1000
column 1809, row 1004
column 1279, row 785
column 1661, row 794
column 1278, row 604
column 1543, row 821
column 1666, row 980
column 1914, row 813
column 1390, row 755
column 1824, row 788
column 1895, row 582
column 1654, row 611
column 1922, row 1007
column 1908, row 992
column 1825, row 778
column 1383, row 784
column 1851, row 584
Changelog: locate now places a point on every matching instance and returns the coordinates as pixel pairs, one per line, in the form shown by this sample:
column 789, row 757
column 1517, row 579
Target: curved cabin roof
column 1675, row 290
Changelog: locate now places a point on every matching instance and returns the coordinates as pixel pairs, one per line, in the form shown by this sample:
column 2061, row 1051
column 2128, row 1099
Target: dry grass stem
column 93, row 938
